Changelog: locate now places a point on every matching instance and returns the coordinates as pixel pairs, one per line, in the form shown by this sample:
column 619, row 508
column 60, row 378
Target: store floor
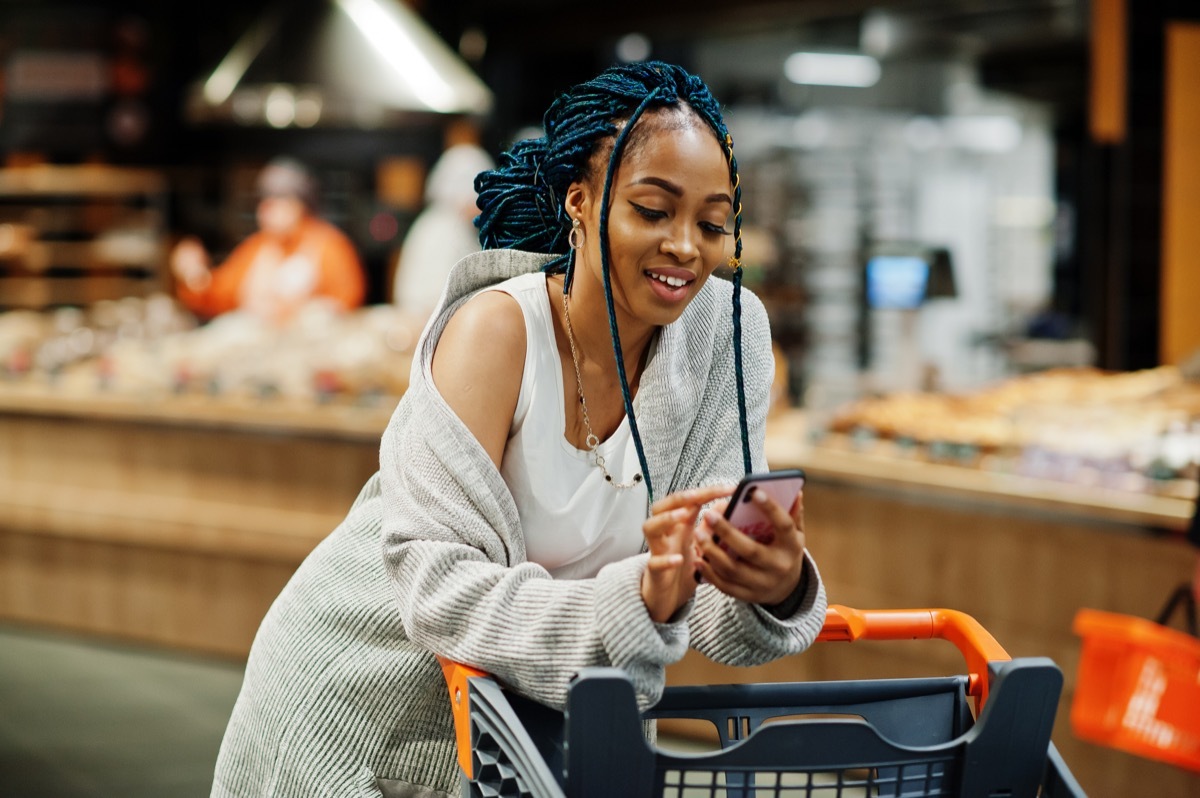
column 82, row 718
column 87, row 718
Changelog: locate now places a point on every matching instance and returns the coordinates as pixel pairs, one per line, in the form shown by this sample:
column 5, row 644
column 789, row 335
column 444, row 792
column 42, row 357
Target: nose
column 680, row 242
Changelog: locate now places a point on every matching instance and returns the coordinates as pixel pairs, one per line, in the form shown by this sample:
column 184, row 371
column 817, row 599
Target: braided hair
column 522, row 199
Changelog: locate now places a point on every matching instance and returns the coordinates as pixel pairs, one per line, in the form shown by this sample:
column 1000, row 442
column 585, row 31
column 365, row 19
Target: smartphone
column 782, row 486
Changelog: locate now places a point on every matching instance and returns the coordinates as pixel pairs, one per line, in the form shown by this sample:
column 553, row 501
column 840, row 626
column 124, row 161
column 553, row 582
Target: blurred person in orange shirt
column 294, row 257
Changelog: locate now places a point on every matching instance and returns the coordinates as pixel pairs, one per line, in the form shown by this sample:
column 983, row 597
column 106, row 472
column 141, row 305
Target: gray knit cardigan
column 342, row 695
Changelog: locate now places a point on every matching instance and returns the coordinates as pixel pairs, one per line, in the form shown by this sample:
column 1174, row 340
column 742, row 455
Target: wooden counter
column 178, row 521
column 175, row 521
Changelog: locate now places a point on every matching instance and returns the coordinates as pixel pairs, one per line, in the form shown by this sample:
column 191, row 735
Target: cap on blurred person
column 452, row 179
column 286, row 177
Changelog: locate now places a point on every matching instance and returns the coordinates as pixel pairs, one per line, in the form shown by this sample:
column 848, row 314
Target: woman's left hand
column 741, row 567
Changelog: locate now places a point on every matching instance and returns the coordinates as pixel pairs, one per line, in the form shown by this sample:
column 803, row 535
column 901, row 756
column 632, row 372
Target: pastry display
column 153, row 347
column 1137, row 430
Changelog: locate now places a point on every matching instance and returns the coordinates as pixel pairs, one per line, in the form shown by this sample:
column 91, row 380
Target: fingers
column 731, row 576
column 694, row 497
column 746, row 547
column 762, row 571
column 779, row 518
column 658, row 529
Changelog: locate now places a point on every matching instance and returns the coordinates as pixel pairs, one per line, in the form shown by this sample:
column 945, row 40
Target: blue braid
column 521, row 199
column 737, row 368
column 605, row 261
column 736, row 263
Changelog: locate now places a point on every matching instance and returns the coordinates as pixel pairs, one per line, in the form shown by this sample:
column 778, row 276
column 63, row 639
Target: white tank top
column 574, row 521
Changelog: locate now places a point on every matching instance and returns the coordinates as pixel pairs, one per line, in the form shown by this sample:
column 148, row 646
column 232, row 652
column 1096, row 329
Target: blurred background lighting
column 280, row 107
column 472, row 45
column 832, row 69
column 308, row 109
column 393, row 40
column 984, row 133
column 633, row 47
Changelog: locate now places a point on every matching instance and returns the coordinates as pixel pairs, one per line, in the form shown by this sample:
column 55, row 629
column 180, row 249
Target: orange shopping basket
column 1138, row 684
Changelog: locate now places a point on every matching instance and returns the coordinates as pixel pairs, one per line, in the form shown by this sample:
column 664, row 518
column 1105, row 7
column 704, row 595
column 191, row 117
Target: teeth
column 674, row 282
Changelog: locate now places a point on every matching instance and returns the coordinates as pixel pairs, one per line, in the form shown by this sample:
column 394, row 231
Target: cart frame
column 904, row 737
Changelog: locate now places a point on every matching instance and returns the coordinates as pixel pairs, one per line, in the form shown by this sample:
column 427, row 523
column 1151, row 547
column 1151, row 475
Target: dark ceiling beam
column 553, row 24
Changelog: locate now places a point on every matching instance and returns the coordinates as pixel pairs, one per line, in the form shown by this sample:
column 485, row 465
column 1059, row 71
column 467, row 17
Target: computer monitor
column 897, row 281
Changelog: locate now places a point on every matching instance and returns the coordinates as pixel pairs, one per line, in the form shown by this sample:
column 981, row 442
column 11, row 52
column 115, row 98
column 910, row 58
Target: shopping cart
column 885, row 737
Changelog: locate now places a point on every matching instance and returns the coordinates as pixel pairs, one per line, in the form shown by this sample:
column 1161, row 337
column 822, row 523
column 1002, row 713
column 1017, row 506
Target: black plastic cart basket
column 825, row 739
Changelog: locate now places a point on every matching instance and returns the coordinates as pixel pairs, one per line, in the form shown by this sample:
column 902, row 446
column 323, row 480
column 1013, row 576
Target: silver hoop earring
column 575, row 237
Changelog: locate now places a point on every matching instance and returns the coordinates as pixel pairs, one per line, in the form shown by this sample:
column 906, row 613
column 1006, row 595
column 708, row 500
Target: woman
column 579, row 398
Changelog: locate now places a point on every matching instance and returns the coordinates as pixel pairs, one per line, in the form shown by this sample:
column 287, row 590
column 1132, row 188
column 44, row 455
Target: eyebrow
column 674, row 190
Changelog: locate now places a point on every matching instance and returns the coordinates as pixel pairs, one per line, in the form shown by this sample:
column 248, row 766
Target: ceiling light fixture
column 393, row 40
column 356, row 63
column 832, row 69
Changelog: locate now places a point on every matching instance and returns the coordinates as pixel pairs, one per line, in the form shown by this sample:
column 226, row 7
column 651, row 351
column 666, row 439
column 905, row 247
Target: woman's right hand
column 670, row 576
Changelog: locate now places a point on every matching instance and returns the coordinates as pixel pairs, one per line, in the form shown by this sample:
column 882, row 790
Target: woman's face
column 669, row 219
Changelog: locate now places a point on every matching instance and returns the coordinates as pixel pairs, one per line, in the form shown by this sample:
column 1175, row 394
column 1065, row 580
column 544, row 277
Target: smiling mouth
column 673, row 282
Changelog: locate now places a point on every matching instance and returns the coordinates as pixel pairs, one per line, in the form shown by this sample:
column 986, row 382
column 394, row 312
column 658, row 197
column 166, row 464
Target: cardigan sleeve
column 453, row 550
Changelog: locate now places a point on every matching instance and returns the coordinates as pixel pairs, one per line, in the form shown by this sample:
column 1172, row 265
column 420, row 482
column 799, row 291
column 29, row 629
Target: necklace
column 592, row 441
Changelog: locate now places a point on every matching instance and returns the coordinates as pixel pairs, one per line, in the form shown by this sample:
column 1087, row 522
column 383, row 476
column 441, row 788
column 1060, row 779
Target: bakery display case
column 154, row 349
column 1133, row 432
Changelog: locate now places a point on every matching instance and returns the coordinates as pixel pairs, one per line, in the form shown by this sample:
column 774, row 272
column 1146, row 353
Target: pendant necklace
column 592, row 441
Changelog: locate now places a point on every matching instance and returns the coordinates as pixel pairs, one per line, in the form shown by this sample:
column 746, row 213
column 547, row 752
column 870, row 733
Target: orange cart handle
column 456, row 675
column 975, row 643
column 842, row 623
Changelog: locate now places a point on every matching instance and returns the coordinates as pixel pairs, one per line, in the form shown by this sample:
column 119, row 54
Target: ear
column 579, row 199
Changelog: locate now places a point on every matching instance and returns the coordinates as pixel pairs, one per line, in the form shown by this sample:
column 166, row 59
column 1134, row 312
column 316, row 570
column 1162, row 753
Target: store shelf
column 85, row 180
column 76, row 235
column 35, row 292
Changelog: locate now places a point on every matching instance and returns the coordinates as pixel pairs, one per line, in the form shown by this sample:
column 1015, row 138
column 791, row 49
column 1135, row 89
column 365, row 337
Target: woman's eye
column 715, row 229
column 649, row 213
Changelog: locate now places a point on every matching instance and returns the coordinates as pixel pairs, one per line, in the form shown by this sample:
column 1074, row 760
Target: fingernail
column 680, row 513
column 711, row 516
column 760, row 497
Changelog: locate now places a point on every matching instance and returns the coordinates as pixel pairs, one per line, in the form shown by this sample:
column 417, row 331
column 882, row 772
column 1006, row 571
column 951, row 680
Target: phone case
column 747, row 516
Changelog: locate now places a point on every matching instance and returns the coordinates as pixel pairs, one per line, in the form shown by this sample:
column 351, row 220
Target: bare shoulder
column 478, row 365
column 491, row 323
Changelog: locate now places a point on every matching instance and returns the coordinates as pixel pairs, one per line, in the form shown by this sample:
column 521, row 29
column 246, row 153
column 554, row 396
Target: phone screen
column 782, row 486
